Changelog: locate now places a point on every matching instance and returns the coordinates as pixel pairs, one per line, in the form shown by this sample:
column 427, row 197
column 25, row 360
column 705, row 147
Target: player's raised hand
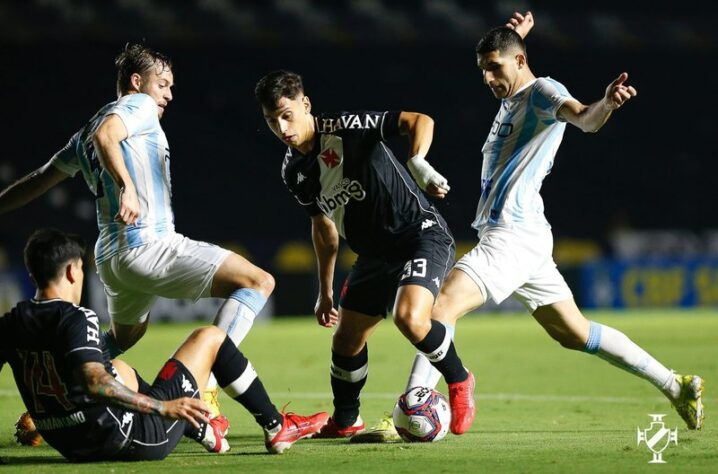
column 522, row 24
column 129, row 206
column 192, row 410
column 437, row 191
column 618, row 92
column 327, row 315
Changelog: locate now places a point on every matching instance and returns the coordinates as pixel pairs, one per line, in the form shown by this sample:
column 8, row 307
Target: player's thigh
column 459, row 294
column 199, row 352
column 352, row 331
column 238, row 272
column 125, row 374
column 564, row 322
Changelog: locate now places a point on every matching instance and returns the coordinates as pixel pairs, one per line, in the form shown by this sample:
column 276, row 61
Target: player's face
column 158, row 83
column 500, row 72
column 291, row 121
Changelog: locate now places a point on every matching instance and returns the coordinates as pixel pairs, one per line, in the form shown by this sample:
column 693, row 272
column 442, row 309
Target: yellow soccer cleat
column 211, row 398
column 689, row 404
column 382, row 432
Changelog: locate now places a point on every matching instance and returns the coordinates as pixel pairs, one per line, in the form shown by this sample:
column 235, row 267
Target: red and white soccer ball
column 422, row 415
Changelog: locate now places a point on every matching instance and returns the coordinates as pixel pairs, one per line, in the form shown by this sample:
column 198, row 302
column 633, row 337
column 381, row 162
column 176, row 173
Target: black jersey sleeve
column 299, row 184
column 79, row 332
column 368, row 126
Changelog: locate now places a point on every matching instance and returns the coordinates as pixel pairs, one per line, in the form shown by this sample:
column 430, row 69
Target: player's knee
column 209, row 335
column 266, row 284
column 412, row 323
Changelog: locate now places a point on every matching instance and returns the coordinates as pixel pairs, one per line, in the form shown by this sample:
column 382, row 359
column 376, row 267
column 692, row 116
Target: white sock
column 616, row 348
column 423, row 374
column 236, row 315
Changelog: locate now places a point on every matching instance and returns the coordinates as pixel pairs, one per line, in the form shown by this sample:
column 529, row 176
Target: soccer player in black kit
column 349, row 182
column 89, row 408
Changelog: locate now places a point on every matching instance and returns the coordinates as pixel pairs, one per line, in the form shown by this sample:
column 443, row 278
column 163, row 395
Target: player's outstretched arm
column 326, row 245
column 420, row 129
column 522, row 24
column 107, row 140
column 30, row 187
column 101, row 385
column 590, row 118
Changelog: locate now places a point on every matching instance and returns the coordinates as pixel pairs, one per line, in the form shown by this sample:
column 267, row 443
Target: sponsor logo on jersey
column 330, row 158
column 349, row 121
column 427, row 223
column 300, row 177
column 340, row 195
column 436, row 281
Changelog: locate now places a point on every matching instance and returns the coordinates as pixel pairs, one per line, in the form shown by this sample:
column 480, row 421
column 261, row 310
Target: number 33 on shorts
column 414, row 268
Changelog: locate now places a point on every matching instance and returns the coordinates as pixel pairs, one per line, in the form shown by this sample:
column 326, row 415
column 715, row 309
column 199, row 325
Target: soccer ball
column 422, row 415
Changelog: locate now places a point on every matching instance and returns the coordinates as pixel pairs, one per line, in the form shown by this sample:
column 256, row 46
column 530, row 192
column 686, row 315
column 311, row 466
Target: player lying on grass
column 514, row 253
column 90, row 408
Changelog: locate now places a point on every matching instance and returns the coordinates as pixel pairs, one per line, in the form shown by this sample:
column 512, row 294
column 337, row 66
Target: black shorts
column 423, row 260
column 151, row 437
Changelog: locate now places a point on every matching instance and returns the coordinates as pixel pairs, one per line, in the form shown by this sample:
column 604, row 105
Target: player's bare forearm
column 30, row 187
column 420, row 130
column 326, row 246
column 592, row 117
column 107, row 140
column 102, row 385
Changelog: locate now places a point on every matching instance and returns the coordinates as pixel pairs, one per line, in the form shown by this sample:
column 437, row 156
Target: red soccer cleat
column 463, row 408
column 294, row 428
column 332, row 430
column 214, row 439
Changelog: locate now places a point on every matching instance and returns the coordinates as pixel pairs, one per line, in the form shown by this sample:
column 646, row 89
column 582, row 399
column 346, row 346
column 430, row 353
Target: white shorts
column 172, row 267
column 516, row 262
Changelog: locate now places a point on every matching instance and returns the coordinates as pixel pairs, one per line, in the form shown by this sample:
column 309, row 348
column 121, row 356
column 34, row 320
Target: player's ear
column 307, row 104
column 135, row 82
column 70, row 272
column 520, row 60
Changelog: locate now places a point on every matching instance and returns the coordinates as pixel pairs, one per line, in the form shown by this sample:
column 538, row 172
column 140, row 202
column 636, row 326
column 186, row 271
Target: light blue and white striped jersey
column 147, row 158
column 519, row 153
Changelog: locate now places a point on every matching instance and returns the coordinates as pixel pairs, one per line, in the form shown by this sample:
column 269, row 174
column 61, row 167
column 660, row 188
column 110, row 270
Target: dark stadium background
column 652, row 167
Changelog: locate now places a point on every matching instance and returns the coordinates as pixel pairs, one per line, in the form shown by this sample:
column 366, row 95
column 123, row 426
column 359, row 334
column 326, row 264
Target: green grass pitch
column 541, row 408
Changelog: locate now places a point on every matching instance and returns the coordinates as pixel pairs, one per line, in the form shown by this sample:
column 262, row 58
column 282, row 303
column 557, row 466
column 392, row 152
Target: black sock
column 347, row 380
column 238, row 379
column 438, row 347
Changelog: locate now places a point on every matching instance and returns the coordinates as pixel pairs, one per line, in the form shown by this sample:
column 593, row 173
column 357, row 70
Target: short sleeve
column 297, row 183
column 66, row 160
column 138, row 112
column 550, row 96
column 80, row 333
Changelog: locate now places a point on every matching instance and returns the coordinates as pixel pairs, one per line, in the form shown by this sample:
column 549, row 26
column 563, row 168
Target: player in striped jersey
column 124, row 157
column 514, row 253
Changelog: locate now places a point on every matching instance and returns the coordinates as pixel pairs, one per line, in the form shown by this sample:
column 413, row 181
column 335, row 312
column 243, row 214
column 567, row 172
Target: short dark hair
column 277, row 84
column 47, row 251
column 500, row 39
column 137, row 59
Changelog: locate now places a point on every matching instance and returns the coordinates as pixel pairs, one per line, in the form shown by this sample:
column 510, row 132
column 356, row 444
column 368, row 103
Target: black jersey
column 353, row 177
column 44, row 342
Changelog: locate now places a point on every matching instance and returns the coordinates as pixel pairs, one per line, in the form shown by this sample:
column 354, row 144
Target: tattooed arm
column 101, row 385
